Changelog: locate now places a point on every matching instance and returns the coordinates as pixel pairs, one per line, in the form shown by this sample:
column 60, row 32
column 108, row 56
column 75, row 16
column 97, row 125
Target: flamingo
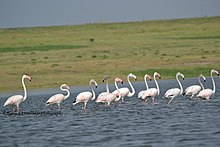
column 17, row 99
column 58, row 98
column 152, row 92
column 84, row 97
column 207, row 93
column 174, row 92
column 125, row 91
column 103, row 94
column 146, row 76
column 194, row 89
column 110, row 97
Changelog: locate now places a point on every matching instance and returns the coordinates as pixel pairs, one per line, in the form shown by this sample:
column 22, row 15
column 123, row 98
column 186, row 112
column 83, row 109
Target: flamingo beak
column 218, row 74
column 103, row 81
column 135, row 79
column 122, row 82
column 183, row 78
column 159, row 77
column 150, row 79
column 96, row 86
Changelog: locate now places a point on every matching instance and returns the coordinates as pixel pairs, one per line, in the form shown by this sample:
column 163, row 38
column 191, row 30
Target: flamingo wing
column 14, row 100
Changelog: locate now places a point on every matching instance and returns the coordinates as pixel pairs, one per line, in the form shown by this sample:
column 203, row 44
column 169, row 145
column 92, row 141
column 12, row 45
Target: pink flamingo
column 17, row 99
column 207, row 93
column 194, row 89
column 58, row 98
column 101, row 97
column 84, row 97
column 174, row 92
column 152, row 92
column 125, row 91
column 110, row 97
column 146, row 76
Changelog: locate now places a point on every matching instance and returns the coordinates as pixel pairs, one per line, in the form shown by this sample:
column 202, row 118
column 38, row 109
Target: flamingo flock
column 121, row 93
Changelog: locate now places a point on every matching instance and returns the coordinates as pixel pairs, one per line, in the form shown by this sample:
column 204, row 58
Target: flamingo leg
column 58, row 106
column 17, row 108
column 145, row 100
column 191, row 96
column 170, row 100
column 52, row 106
column 153, row 100
column 85, row 105
column 14, row 109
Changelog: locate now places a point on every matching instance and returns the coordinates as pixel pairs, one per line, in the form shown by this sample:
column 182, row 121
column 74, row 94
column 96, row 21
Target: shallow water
column 184, row 122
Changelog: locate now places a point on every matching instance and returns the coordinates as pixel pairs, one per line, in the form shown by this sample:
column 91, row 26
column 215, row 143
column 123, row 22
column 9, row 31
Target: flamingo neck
column 132, row 88
column 158, row 88
column 213, row 82
column 68, row 93
column 181, row 87
column 118, row 91
column 145, row 81
column 25, row 90
column 106, row 84
column 93, row 92
column 200, row 82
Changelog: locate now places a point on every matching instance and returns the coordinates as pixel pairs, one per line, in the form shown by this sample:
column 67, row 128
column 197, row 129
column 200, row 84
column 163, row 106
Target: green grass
column 39, row 48
column 75, row 54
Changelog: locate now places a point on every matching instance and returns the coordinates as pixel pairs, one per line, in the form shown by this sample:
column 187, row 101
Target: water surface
column 184, row 122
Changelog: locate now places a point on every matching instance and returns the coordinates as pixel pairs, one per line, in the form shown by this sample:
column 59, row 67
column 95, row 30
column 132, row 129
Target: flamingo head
column 27, row 77
column 215, row 71
column 133, row 76
column 106, row 77
column 157, row 74
column 148, row 77
column 180, row 74
column 119, row 80
column 94, row 82
column 66, row 86
column 201, row 75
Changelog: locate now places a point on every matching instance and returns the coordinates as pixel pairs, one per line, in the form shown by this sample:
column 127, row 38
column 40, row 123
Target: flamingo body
column 123, row 91
column 101, row 97
column 14, row 100
column 171, row 93
column 84, row 96
column 152, row 92
column 192, row 90
column 206, row 93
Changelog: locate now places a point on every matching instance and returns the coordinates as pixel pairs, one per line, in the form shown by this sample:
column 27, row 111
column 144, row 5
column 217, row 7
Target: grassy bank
column 75, row 54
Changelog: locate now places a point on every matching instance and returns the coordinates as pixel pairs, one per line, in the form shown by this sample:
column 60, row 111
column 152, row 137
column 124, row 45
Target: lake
column 185, row 122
